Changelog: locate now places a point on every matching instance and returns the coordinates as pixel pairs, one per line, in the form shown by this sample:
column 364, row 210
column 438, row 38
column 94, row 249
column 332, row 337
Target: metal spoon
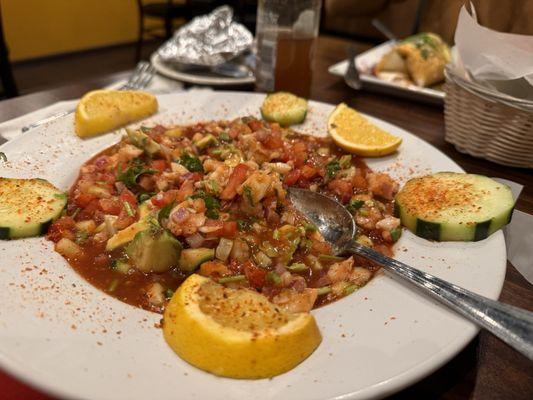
column 511, row 324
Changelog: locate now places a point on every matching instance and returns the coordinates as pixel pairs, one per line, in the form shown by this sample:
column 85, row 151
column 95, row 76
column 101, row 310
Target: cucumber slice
column 284, row 108
column 28, row 207
column 450, row 206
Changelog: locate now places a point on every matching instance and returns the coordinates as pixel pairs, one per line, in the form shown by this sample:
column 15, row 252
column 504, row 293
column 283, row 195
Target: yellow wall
column 36, row 28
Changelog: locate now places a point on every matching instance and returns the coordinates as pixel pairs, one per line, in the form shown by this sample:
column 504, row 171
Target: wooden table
column 486, row 368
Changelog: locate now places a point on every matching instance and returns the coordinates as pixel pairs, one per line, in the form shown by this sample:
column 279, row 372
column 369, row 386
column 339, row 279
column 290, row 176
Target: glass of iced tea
column 286, row 34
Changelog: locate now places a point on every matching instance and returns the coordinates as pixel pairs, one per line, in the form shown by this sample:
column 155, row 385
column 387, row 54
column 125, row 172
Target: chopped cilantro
column 395, row 234
column 332, row 168
column 141, row 197
column 354, row 205
column 298, row 267
column 81, row 237
column 247, row 192
column 323, row 290
column 345, row 161
column 234, row 278
column 130, row 175
column 129, row 209
column 224, row 137
column 165, row 212
column 3, row 156
column 274, row 278
column 193, row 164
column 145, row 129
column 169, row 293
column 212, row 204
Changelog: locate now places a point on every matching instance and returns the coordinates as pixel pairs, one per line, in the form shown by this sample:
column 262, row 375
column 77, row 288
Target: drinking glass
column 286, row 36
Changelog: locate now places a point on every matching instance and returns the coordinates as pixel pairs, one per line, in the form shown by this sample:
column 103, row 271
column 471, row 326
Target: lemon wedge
column 100, row 111
column 236, row 333
column 356, row 134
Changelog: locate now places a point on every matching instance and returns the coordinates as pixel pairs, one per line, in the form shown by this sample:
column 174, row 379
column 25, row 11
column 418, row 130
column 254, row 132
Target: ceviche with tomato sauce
column 211, row 198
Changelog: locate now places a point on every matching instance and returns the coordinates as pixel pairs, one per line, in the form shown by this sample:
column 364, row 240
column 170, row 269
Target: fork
column 139, row 79
column 351, row 77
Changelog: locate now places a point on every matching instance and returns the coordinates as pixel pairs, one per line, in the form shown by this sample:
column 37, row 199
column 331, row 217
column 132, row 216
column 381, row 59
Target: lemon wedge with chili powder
column 356, row 134
column 236, row 333
column 100, row 111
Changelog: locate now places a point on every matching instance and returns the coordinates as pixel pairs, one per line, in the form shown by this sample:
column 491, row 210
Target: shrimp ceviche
column 211, row 198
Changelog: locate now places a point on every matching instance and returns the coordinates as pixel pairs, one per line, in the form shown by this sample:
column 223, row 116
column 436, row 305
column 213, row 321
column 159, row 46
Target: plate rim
column 195, row 79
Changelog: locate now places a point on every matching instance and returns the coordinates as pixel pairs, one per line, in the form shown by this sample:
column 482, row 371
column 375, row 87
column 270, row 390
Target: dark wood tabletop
column 487, row 368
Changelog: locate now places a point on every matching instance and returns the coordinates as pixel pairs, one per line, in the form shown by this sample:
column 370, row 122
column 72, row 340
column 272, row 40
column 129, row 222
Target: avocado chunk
column 207, row 141
column 154, row 251
column 192, row 258
column 143, row 141
column 127, row 234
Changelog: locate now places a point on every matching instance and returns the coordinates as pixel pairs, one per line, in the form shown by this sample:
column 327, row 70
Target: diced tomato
column 292, row 177
column 186, row 189
column 63, row 227
column 159, row 165
column 102, row 260
column 111, row 206
column 273, row 141
column 238, row 176
column 161, row 199
column 238, row 129
column 255, row 275
column 275, row 127
column 308, row 171
column 359, row 180
column 191, row 176
column 128, row 196
column 89, row 210
column 226, row 229
column 124, row 217
column 82, row 199
column 255, row 125
column 299, row 153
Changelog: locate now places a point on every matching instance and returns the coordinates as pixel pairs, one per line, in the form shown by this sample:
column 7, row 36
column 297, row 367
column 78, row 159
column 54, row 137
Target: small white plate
column 366, row 61
column 62, row 335
column 197, row 78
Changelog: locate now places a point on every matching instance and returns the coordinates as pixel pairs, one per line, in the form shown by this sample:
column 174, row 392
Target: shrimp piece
column 128, row 152
column 260, row 185
column 360, row 276
column 382, row 185
column 296, row 302
column 214, row 268
column 340, row 271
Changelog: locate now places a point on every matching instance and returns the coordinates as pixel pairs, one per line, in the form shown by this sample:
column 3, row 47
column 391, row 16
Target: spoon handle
column 511, row 324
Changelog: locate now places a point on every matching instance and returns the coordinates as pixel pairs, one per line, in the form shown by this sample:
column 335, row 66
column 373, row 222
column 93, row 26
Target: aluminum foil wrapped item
column 208, row 40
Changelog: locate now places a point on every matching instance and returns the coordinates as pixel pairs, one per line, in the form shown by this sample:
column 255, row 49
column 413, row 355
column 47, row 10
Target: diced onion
column 195, row 240
column 68, row 248
column 262, row 259
column 224, row 249
column 109, row 221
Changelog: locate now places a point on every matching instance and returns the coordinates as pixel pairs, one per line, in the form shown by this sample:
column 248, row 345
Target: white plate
column 60, row 334
column 196, row 78
column 364, row 63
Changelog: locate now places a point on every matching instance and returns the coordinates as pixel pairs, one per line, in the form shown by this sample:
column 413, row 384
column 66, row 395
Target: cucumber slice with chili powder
column 450, row 206
column 284, row 108
column 28, row 207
